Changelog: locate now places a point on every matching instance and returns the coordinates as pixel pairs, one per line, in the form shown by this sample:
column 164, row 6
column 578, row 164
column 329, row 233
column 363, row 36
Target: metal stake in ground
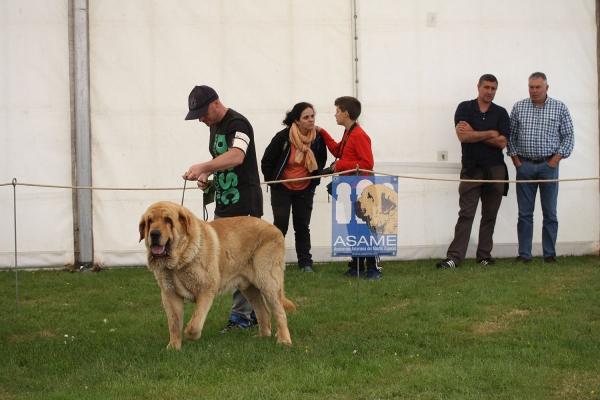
column 358, row 280
column 358, row 265
column 14, row 183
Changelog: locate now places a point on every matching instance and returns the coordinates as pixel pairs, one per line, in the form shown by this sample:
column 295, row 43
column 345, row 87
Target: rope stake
column 14, row 183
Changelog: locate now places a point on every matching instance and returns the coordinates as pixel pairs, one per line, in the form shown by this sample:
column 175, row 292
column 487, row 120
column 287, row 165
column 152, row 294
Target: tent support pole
column 356, row 81
column 598, row 75
column 81, row 131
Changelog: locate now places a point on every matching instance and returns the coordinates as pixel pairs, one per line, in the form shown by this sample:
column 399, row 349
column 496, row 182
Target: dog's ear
column 387, row 203
column 185, row 217
column 143, row 228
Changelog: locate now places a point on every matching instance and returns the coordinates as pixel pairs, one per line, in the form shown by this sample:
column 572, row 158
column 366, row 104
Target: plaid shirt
column 540, row 132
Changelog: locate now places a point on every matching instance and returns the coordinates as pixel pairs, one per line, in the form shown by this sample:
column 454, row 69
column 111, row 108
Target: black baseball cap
column 199, row 100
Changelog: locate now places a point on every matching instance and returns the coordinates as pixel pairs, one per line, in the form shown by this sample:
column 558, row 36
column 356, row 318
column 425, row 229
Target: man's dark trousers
column 470, row 193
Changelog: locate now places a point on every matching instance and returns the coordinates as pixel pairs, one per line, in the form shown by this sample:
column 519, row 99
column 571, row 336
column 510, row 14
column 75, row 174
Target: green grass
column 524, row 331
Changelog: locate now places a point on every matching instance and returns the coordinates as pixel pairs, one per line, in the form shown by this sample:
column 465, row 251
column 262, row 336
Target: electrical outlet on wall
column 431, row 19
column 442, row 155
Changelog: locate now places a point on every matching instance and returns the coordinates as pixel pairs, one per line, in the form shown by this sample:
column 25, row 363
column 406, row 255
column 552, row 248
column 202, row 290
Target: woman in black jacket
column 296, row 152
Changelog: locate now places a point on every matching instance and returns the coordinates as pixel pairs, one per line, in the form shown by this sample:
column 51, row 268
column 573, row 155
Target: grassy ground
column 524, row 331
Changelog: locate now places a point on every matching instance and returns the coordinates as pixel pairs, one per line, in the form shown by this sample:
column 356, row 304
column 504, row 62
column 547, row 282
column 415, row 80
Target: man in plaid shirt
column 541, row 135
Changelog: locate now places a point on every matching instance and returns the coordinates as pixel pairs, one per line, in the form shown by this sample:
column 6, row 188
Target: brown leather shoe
column 522, row 259
column 550, row 260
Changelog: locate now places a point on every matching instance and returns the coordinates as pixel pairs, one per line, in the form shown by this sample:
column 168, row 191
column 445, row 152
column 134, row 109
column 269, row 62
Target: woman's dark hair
column 294, row 115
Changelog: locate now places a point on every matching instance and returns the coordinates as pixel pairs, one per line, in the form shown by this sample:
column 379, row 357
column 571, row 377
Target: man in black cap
column 235, row 170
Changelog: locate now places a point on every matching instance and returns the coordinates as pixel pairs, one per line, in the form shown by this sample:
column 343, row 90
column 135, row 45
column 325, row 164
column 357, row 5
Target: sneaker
column 487, row 261
column 308, row 268
column 550, row 260
column 351, row 273
column 239, row 322
column 372, row 275
column 447, row 263
column 522, row 259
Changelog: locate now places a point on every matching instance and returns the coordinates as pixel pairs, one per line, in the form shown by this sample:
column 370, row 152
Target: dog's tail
column 287, row 304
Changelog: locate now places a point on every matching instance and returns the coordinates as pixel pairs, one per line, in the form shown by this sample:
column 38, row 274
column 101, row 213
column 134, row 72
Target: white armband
column 241, row 141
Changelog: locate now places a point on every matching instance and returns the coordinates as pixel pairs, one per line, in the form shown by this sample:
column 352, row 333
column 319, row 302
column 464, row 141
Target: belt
column 536, row 160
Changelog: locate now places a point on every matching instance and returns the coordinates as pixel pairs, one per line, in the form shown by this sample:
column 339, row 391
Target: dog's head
column 377, row 206
column 166, row 228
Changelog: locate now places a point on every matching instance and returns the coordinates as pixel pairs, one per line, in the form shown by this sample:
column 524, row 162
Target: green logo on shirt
column 227, row 181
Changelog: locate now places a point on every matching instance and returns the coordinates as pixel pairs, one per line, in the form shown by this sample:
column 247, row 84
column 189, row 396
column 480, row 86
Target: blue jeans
column 526, row 193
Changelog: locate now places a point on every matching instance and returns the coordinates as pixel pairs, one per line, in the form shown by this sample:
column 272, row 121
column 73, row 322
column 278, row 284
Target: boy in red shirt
column 354, row 149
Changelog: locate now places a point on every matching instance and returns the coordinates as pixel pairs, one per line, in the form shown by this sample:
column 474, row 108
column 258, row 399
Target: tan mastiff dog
column 378, row 207
column 196, row 260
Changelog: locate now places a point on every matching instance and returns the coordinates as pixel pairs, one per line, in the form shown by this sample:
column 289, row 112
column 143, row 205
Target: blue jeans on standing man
column 526, row 193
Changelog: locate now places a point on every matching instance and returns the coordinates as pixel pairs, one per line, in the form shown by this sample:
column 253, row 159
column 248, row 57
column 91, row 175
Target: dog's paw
column 264, row 333
column 287, row 341
column 192, row 334
column 173, row 346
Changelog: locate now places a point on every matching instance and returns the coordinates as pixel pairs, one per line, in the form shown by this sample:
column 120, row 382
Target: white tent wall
column 262, row 57
column 35, row 129
column 416, row 61
column 419, row 59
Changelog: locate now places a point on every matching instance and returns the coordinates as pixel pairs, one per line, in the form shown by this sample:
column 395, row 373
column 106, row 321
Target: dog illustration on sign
column 378, row 207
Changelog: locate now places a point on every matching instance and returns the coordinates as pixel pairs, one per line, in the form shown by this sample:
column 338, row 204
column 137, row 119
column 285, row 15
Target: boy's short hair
column 350, row 104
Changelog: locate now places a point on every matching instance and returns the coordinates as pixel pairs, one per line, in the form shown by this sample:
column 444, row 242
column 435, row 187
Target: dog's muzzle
column 358, row 210
column 157, row 249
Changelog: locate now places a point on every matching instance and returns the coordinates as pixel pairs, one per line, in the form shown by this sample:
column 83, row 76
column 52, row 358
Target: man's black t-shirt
column 238, row 189
column 495, row 118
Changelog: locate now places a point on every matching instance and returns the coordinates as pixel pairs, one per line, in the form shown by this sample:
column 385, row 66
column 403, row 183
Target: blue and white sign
column 364, row 216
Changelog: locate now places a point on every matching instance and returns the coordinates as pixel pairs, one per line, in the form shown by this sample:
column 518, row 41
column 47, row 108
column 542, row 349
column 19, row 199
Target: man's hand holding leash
column 195, row 173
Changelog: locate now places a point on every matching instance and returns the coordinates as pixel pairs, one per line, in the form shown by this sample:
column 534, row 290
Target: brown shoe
column 550, row 260
column 522, row 259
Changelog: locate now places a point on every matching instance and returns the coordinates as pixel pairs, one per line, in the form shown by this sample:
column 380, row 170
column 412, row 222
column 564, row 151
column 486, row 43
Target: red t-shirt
column 352, row 150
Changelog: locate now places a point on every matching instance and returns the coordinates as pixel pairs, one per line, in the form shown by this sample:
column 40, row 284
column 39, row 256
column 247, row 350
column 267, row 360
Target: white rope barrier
column 314, row 177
